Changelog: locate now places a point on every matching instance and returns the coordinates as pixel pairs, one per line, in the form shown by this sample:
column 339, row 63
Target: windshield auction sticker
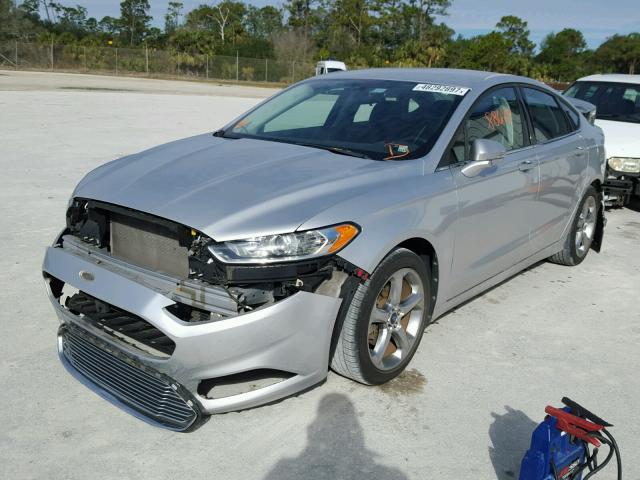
column 446, row 89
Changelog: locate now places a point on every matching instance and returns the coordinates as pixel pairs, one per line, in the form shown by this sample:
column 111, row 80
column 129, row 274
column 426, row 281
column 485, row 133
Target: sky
column 597, row 19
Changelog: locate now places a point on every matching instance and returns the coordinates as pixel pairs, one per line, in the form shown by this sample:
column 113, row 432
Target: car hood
column 232, row 189
column 621, row 139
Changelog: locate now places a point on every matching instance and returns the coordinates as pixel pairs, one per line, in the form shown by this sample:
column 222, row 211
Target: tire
column 585, row 221
column 375, row 353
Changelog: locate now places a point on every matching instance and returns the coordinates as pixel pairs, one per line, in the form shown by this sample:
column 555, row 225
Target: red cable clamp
column 576, row 426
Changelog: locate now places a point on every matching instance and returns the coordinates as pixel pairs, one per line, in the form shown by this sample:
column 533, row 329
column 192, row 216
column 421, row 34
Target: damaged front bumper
column 619, row 187
column 281, row 348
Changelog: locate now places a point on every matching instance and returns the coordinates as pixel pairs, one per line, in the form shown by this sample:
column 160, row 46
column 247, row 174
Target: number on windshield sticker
column 446, row 89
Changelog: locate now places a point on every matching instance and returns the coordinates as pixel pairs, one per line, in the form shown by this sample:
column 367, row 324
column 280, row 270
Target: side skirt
column 495, row 280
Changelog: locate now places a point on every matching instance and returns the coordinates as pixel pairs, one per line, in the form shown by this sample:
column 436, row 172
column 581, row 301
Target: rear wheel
column 385, row 321
column 583, row 231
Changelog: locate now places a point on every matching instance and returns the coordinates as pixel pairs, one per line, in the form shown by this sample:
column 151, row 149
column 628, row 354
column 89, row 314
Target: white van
column 328, row 66
column 617, row 98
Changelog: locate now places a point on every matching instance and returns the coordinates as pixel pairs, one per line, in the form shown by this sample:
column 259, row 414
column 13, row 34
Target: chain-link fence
column 151, row 62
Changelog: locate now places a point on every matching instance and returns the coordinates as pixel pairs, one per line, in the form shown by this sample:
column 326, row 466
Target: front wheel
column 582, row 233
column 385, row 320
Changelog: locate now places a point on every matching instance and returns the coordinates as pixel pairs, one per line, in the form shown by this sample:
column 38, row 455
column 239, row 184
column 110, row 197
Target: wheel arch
column 597, row 184
column 418, row 245
column 425, row 250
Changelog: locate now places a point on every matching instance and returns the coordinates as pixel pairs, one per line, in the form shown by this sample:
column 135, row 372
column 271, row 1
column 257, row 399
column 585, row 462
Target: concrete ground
column 465, row 410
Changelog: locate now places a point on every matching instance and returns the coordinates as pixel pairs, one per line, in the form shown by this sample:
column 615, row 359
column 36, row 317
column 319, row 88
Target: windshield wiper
column 223, row 134
column 338, row 150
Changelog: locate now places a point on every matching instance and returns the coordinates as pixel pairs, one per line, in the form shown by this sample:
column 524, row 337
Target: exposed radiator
column 148, row 245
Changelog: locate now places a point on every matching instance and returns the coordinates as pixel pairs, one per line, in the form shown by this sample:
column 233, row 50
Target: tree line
column 363, row 33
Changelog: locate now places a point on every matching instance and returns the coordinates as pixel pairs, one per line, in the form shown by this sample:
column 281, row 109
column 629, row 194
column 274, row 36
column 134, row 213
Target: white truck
column 328, row 66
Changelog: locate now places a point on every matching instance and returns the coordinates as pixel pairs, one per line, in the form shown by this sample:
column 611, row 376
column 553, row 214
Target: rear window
column 547, row 117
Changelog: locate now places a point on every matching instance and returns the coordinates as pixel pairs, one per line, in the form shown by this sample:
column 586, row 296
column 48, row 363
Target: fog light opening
column 240, row 383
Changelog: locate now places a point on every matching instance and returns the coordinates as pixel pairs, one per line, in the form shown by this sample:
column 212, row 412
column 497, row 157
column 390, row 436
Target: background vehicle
column 329, row 66
column 327, row 226
column 585, row 108
column 617, row 98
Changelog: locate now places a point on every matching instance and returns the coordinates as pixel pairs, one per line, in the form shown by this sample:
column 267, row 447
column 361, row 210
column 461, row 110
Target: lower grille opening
column 188, row 313
column 156, row 397
column 239, row 383
column 124, row 326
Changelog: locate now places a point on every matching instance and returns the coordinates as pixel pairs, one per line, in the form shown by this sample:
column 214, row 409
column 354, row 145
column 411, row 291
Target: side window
column 458, row 151
column 547, row 117
column 497, row 116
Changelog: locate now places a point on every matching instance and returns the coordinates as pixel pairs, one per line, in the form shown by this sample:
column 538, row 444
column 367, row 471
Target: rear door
column 562, row 156
column 495, row 207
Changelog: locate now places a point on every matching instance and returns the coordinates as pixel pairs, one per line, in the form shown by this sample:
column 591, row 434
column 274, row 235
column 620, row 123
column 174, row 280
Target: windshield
column 377, row 119
column 614, row 101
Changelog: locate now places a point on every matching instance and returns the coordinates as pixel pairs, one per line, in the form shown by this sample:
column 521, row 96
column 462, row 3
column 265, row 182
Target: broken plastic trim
column 249, row 286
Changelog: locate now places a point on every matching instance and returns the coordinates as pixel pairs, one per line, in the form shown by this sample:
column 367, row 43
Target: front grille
column 155, row 396
column 121, row 324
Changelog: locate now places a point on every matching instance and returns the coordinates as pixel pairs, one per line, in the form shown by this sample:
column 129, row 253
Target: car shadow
column 335, row 448
column 510, row 435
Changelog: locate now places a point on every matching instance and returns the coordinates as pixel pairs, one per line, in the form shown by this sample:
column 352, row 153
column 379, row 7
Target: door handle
column 580, row 150
column 526, row 165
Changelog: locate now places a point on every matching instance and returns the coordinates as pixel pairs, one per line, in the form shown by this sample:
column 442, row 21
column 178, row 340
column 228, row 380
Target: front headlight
column 286, row 246
column 625, row 164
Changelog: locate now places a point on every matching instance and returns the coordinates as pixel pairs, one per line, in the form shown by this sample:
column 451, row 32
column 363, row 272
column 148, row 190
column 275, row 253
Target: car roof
column 611, row 77
column 329, row 63
column 442, row 76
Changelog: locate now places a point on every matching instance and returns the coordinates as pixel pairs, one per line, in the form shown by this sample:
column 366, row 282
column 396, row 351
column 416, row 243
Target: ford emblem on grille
column 88, row 276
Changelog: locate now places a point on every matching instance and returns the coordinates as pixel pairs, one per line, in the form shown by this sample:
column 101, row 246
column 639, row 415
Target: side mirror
column 482, row 155
column 482, row 150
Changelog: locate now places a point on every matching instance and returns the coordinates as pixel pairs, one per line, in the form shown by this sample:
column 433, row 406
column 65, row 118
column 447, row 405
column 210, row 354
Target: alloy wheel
column 395, row 319
column 586, row 226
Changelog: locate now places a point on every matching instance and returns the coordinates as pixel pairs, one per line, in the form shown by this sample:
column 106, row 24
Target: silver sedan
column 325, row 228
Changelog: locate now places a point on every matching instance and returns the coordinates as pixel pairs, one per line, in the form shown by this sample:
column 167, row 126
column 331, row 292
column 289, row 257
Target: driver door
column 494, row 207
